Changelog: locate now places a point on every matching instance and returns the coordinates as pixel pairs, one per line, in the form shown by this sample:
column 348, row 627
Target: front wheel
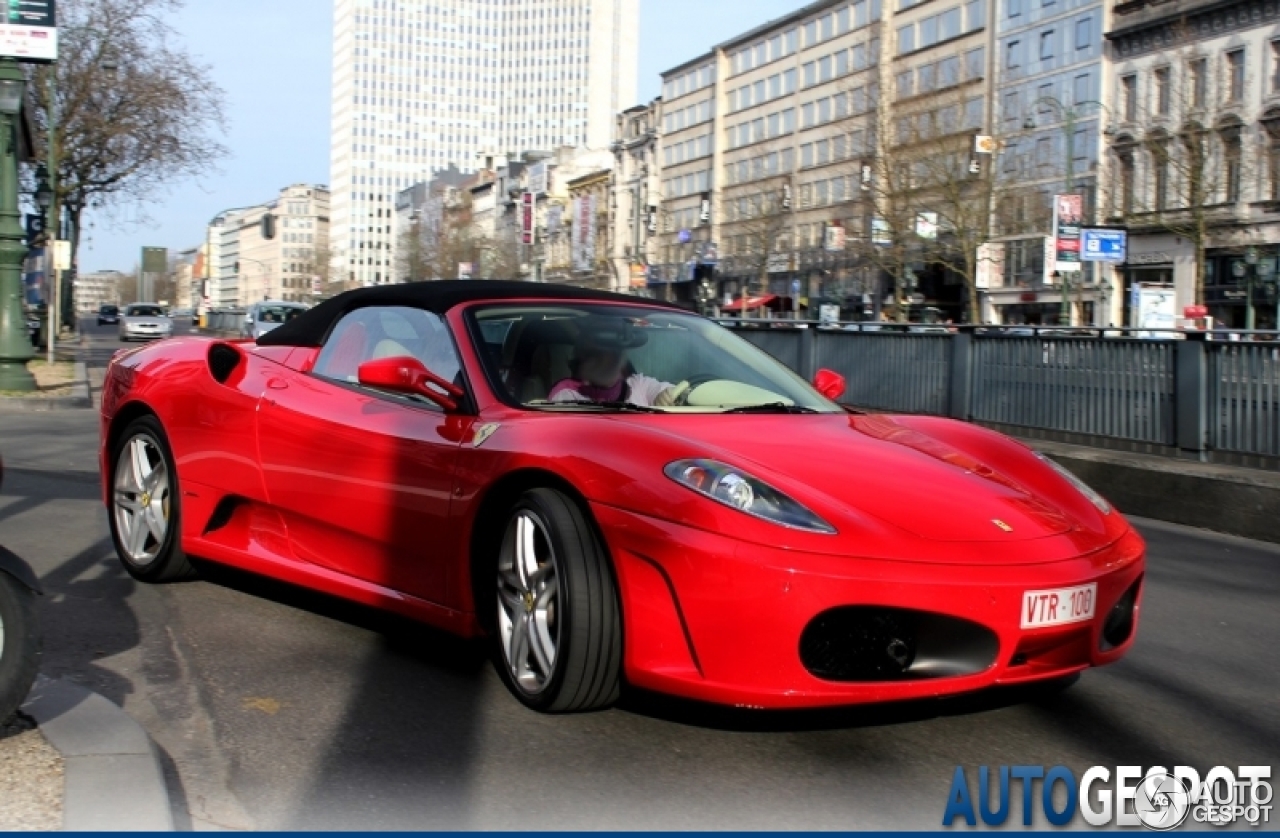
column 558, row 630
column 19, row 644
column 145, row 510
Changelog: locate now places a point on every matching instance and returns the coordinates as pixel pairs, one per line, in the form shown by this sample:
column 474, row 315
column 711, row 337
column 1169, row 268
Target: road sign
column 28, row 31
column 1103, row 245
column 155, row 260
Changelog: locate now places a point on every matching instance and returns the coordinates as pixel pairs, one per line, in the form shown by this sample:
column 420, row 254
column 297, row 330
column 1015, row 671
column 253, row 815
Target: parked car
column 144, row 321
column 109, row 315
column 267, row 315
column 19, row 631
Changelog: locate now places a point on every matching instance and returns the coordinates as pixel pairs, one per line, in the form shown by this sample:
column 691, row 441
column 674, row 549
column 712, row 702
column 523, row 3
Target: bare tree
column 930, row 195
column 133, row 113
column 757, row 213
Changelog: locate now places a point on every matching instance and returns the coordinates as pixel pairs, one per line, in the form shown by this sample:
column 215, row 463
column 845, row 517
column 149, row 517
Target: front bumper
column 142, row 333
column 716, row 619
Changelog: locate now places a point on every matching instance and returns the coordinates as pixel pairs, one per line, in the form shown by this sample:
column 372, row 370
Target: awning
column 752, row 302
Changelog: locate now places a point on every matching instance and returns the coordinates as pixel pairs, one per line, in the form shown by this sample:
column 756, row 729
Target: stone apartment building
column 1194, row 157
column 635, row 194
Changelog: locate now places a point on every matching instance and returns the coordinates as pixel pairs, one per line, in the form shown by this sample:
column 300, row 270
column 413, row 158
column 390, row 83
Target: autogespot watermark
column 1158, row 799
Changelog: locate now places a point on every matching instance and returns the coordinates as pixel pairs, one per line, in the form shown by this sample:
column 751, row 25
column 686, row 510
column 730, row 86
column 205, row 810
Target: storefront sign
column 1068, row 213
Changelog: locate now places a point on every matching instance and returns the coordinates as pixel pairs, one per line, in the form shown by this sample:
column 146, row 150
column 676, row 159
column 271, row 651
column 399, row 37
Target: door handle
column 277, row 383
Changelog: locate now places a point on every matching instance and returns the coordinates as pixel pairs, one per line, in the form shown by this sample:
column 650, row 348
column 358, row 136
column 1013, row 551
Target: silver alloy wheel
column 528, row 593
column 141, row 505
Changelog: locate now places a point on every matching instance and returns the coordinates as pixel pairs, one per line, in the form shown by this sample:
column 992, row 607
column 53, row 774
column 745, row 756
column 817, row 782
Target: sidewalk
column 1226, row 499
column 112, row 775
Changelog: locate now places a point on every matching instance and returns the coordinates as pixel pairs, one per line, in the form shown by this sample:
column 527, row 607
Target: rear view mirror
column 829, row 383
column 406, row 374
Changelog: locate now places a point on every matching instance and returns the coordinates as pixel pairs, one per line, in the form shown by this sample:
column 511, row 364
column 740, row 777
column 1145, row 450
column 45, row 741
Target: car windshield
column 278, row 314
column 109, row 310
column 584, row 356
column 144, row 311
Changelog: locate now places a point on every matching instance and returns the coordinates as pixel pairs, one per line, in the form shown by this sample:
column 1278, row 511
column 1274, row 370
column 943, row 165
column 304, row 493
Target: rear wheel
column 19, row 644
column 145, row 512
column 558, row 630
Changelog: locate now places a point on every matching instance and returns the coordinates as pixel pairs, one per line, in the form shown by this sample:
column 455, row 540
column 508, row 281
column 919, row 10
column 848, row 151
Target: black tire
column 169, row 564
column 19, row 644
column 587, row 670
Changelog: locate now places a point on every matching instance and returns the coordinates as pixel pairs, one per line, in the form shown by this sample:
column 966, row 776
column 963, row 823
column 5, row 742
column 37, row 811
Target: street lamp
column 43, row 193
column 1069, row 116
column 15, row 343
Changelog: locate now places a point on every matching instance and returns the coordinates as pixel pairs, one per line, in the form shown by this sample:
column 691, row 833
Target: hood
column 876, row 465
column 139, row 320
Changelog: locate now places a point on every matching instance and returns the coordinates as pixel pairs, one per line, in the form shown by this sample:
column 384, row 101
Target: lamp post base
column 14, row 375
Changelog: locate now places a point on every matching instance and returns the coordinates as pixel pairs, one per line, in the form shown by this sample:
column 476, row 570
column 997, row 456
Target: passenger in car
column 600, row 371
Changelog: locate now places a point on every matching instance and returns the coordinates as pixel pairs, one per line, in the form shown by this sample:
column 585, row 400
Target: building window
column 906, row 38
column 1084, row 33
column 974, row 61
column 1273, row 164
column 1231, row 154
column 1012, row 55
column 903, row 84
column 1015, row 8
column 1046, row 45
column 1235, row 75
column 1275, row 66
column 1126, row 182
column 1129, row 97
column 975, row 14
column 1160, row 177
column 1163, row 94
column 1199, row 72
column 1080, row 88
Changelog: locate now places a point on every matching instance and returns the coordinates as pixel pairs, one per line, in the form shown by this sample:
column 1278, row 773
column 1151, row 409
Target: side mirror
column 405, row 374
column 829, row 383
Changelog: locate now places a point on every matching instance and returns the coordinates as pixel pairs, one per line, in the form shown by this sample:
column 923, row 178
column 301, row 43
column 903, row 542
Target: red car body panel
column 339, row 489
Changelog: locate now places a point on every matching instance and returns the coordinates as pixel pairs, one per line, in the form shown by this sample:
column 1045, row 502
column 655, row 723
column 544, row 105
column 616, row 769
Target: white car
column 264, row 316
column 144, row 321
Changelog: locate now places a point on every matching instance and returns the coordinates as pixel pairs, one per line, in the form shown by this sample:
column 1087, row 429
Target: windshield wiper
column 771, row 407
column 622, row 406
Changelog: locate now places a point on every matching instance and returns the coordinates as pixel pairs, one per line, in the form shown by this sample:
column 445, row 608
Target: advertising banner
column 526, row 218
column 28, row 31
column 584, row 233
column 1068, row 214
column 990, row 267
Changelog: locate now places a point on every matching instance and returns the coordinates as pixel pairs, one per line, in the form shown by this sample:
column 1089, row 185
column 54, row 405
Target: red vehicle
column 615, row 491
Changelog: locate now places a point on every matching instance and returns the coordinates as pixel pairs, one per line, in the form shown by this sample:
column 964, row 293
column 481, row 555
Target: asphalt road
column 276, row 709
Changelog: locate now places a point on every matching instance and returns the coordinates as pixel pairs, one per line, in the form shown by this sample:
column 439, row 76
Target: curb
column 114, row 781
column 1225, row 499
column 78, row 399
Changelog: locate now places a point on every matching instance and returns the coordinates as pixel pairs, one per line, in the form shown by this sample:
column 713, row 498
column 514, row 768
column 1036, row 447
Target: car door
column 364, row 477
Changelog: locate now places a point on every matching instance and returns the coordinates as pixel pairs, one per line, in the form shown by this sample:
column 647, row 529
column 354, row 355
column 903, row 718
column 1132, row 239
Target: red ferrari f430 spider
column 615, row 491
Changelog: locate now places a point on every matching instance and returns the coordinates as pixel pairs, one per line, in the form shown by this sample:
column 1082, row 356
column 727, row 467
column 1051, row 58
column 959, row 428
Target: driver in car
column 600, row 371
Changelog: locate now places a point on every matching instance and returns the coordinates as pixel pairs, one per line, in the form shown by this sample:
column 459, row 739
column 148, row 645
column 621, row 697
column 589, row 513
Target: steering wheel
column 685, row 388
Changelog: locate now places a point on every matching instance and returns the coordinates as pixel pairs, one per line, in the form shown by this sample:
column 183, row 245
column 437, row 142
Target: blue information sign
column 1103, row 245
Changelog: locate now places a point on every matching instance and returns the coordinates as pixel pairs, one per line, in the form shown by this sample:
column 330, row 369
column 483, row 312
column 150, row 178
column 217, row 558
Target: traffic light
column 268, row 226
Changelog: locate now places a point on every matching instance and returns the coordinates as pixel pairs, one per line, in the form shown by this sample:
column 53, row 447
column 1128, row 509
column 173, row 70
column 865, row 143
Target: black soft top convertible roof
column 311, row 327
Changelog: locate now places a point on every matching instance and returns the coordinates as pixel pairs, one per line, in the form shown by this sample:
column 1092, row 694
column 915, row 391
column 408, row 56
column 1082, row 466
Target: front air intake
column 876, row 643
column 1119, row 625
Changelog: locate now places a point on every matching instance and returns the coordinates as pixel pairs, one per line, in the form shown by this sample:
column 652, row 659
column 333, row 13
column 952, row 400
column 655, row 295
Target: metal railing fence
column 1169, row 392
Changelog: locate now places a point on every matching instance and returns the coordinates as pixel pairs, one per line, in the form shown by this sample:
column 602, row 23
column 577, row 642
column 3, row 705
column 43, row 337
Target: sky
column 272, row 58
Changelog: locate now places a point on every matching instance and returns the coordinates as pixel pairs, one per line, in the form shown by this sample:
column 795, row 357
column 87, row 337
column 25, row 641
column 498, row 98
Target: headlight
column 739, row 490
column 1096, row 499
